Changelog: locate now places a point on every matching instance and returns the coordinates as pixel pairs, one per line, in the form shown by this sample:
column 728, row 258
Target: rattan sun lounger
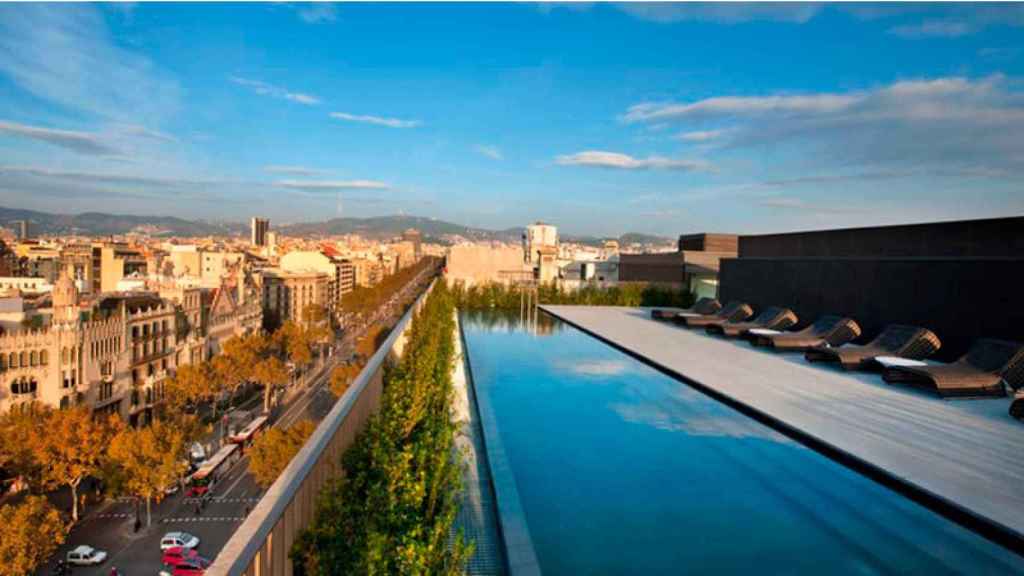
column 1017, row 406
column 732, row 312
column 704, row 306
column 896, row 340
column 773, row 318
column 830, row 330
column 987, row 368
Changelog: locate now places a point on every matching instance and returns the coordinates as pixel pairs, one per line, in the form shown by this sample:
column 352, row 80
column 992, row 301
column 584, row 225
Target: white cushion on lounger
column 688, row 314
column 889, row 361
column 763, row 331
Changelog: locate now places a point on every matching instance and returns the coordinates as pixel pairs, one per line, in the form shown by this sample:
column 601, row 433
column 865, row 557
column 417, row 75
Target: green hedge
column 393, row 512
column 495, row 295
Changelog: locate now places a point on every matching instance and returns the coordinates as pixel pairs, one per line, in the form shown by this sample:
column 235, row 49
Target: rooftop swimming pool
column 621, row 469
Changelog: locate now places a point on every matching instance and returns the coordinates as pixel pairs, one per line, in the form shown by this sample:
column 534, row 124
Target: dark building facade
column 694, row 266
column 963, row 280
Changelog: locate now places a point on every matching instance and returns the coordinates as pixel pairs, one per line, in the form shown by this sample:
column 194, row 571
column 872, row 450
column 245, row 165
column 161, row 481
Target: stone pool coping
column 520, row 556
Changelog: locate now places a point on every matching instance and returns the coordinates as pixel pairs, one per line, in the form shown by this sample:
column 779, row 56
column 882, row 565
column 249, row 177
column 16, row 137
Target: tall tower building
column 259, row 228
column 22, row 227
column 538, row 236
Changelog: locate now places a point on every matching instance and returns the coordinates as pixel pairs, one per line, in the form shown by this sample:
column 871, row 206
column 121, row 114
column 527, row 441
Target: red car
column 178, row 555
column 192, row 567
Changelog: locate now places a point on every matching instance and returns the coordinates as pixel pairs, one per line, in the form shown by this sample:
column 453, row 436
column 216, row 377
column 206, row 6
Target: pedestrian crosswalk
column 222, row 500
column 202, row 519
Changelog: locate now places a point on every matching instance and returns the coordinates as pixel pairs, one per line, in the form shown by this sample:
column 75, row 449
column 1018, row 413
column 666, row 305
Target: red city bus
column 205, row 478
column 246, row 435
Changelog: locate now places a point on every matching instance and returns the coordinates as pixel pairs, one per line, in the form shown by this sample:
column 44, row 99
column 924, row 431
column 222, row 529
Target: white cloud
column 81, row 142
column 143, row 132
column 741, row 105
column 933, row 29
column 315, row 12
column 64, row 53
column 105, row 177
column 292, row 170
column 265, row 89
column 700, row 135
column 375, row 120
column 601, row 159
column 952, row 123
column 791, row 203
column 331, row 185
column 723, row 12
column 491, row 152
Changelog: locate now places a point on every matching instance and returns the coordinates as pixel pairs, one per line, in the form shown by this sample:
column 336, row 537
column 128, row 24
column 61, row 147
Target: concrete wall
column 959, row 299
column 995, row 237
column 260, row 545
column 478, row 263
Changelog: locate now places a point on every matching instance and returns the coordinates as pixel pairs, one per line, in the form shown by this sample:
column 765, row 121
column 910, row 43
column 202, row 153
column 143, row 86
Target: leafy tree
column 270, row 372
column 295, row 341
column 19, row 431
column 191, row 384
column 342, row 377
column 272, row 451
column 144, row 461
column 71, row 446
column 30, row 533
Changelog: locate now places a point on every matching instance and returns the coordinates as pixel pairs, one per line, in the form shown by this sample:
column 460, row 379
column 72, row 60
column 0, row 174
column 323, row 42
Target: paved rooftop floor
column 967, row 452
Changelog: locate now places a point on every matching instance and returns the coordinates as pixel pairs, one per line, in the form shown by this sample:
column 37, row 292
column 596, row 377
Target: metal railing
column 261, row 544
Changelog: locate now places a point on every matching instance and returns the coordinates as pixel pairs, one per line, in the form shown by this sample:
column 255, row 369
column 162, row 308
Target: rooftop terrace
column 961, row 457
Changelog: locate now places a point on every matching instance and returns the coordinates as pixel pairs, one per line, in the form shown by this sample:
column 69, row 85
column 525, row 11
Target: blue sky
column 601, row 118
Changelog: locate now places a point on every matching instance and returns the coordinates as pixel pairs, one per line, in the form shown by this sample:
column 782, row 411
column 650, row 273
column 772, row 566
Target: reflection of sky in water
column 623, row 470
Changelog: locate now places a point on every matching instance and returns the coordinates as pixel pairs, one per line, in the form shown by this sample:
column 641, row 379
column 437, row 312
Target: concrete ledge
column 515, row 533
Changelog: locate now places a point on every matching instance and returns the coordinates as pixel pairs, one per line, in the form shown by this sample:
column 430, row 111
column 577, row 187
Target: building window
column 12, row 360
column 23, row 386
column 23, row 359
column 44, row 358
column 33, row 358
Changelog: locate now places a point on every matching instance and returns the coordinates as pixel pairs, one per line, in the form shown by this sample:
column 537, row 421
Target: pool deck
column 963, row 458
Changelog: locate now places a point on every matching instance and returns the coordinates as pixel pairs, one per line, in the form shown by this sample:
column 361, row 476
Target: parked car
column 86, row 556
column 196, row 567
column 178, row 540
column 178, row 555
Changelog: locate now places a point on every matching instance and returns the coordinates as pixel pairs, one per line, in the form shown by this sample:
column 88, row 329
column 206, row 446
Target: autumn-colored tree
column 270, row 372
column 71, row 446
column 296, row 343
column 342, row 377
column 271, row 452
column 19, row 431
column 30, row 533
column 146, row 460
column 191, row 384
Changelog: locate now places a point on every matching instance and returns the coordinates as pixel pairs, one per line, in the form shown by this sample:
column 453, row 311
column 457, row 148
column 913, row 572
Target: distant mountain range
column 378, row 227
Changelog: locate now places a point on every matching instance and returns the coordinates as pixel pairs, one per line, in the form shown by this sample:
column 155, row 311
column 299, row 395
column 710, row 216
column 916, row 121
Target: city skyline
column 743, row 118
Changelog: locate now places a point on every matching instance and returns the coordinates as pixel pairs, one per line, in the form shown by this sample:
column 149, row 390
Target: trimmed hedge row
column 393, row 512
column 495, row 295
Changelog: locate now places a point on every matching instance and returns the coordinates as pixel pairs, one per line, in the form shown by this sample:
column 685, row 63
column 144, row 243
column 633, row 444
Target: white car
column 86, row 556
column 178, row 540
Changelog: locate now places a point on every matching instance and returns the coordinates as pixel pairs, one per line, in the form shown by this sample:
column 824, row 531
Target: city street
column 109, row 526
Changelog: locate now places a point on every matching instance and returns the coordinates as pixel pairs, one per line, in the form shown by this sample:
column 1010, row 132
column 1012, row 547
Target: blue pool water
column 623, row 470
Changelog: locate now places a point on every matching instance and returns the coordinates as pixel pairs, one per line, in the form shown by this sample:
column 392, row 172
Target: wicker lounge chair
column 703, row 306
column 985, row 370
column 896, row 340
column 830, row 330
column 1017, row 406
column 732, row 312
column 773, row 318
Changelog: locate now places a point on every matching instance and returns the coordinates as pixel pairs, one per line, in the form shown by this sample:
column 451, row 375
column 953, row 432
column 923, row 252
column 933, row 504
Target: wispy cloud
column 797, row 204
column 64, row 54
column 106, row 178
column 601, row 159
column 376, row 120
column 265, row 89
column 143, row 132
column 331, row 185
column 700, row 135
column 934, row 123
column 723, row 12
column 315, row 12
column 81, row 142
column 292, row 170
column 933, row 29
column 491, row 152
